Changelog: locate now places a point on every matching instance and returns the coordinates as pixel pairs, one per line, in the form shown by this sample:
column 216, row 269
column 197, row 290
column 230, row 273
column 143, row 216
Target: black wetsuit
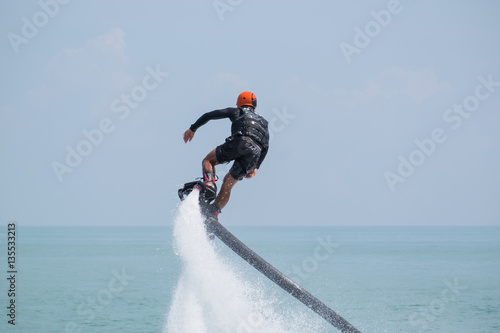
column 248, row 143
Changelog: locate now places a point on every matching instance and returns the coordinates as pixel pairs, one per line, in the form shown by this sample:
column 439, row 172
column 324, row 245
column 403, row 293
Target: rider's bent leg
column 208, row 165
column 225, row 191
column 209, row 162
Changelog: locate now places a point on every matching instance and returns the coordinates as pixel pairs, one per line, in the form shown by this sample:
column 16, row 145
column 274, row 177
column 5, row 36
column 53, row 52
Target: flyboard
column 214, row 227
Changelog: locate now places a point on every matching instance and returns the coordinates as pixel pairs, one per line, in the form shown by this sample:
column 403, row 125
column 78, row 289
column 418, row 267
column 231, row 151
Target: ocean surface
column 174, row 279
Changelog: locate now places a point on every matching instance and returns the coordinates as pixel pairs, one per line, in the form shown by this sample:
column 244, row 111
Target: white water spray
column 211, row 296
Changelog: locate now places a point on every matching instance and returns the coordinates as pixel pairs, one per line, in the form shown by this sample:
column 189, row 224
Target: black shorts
column 243, row 151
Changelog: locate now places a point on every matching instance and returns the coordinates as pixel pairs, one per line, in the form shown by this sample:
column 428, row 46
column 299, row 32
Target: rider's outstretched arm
column 217, row 114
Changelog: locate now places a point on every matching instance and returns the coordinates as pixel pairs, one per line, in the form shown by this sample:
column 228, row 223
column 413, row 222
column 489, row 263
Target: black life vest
column 253, row 125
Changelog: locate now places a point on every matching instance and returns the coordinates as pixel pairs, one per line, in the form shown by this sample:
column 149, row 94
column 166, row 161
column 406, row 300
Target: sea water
column 175, row 279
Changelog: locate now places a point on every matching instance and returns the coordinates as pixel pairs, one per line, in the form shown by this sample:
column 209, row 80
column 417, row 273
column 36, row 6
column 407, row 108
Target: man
column 247, row 147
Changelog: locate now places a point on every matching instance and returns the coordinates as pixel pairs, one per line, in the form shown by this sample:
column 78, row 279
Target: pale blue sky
column 345, row 123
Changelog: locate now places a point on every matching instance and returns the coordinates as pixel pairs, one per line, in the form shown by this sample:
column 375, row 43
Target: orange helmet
column 247, row 98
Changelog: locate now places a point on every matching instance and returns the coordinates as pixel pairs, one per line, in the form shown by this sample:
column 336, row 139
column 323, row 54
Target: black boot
column 209, row 188
column 213, row 211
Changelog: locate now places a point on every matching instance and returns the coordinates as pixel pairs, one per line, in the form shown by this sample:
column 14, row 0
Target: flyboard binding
column 206, row 196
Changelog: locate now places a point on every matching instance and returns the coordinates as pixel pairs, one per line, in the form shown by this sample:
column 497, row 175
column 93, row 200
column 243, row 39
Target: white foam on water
column 211, row 296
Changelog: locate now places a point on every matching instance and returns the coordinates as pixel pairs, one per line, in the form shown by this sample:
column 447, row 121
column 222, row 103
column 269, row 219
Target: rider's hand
column 188, row 135
column 251, row 173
